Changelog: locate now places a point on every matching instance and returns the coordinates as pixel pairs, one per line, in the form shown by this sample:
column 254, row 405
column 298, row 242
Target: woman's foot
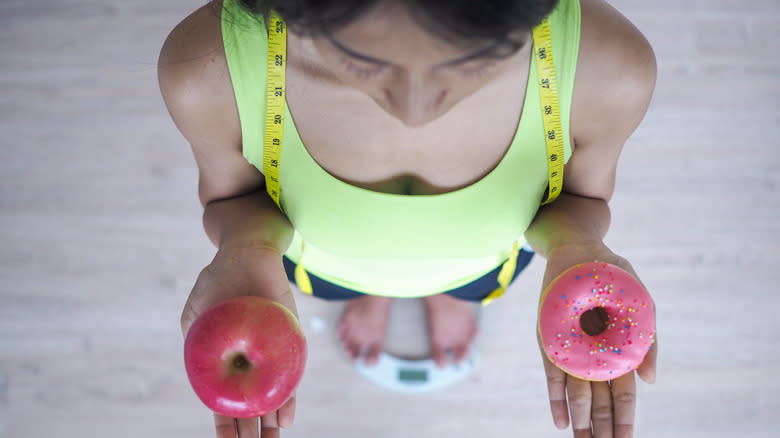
column 363, row 327
column 452, row 328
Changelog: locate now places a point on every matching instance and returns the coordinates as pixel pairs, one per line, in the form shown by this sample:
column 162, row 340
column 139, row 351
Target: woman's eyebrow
column 355, row 54
column 485, row 51
column 488, row 51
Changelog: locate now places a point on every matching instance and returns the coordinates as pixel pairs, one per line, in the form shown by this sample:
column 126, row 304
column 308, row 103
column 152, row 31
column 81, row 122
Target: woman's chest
column 357, row 142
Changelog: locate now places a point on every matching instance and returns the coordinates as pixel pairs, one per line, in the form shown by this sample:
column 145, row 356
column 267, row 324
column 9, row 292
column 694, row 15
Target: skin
column 419, row 104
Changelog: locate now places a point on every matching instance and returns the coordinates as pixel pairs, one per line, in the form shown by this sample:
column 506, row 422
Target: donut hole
column 594, row 321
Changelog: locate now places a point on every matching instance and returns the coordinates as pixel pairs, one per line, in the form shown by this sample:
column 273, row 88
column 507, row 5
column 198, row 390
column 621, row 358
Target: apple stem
column 240, row 362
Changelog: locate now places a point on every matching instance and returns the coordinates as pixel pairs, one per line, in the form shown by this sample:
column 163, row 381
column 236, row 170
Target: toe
column 461, row 353
column 439, row 356
column 372, row 357
column 352, row 349
column 356, row 352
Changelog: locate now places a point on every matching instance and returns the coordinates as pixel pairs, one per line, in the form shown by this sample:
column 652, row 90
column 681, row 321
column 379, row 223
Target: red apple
column 245, row 356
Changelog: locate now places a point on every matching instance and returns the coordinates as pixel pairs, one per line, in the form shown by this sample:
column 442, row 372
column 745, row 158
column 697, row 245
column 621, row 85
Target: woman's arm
column 570, row 221
column 195, row 84
column 239, row 217
column 616, row 74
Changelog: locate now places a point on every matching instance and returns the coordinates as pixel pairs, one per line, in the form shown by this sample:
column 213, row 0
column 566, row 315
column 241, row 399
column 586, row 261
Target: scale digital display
column 415, row 376
column 412, row 375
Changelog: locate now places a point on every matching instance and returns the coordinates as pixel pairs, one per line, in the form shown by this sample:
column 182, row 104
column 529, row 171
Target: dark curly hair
column 452, row 20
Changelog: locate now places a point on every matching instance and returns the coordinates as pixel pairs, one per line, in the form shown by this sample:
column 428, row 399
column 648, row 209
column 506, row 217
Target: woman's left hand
column 596, row 409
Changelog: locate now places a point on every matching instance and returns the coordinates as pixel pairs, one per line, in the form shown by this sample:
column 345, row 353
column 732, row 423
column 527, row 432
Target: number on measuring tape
column 548, row 94
column 274, row 124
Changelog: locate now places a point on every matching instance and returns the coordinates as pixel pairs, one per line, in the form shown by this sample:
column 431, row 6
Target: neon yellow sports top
column 401, row 245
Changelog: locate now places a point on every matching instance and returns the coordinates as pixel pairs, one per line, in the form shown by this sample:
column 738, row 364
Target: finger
column 624, row 402
column 556, row 390
column 580, row 399
column 247, row 428
column 647, row 369
column 286, row 414
column 270, row 420
column 226, row 426
column 268, row 432
column 601, row 410
column 270, row 426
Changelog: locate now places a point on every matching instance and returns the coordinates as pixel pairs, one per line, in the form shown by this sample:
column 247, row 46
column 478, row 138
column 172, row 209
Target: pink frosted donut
column 616, row 305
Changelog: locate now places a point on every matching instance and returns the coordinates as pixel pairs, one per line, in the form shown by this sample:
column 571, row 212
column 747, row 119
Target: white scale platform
column 406, row 365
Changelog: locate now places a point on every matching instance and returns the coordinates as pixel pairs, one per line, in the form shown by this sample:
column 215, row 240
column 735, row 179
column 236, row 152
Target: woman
column 424, row 162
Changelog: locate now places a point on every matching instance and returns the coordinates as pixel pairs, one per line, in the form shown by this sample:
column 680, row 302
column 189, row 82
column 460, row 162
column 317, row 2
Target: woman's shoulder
column 195, row 81
column 611, row 47
column 616, row 71
column 192, row 70
column 613, row 86
column 195, row 84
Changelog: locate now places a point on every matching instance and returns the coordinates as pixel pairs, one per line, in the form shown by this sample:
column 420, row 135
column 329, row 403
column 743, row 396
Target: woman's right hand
column 256, row 271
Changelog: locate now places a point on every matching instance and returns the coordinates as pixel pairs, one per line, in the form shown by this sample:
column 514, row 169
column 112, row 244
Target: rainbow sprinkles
column 626, row 312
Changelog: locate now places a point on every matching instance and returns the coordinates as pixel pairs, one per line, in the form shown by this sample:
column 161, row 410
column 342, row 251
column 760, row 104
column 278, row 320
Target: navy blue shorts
column 476, row 291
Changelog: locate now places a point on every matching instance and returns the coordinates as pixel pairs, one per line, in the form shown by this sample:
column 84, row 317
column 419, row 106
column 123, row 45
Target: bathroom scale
column 406, row 365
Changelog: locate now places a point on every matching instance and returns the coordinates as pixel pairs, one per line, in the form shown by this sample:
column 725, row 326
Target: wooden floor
column 102, row 240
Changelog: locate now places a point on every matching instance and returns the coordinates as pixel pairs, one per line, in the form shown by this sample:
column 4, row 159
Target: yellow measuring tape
column 551, row 115
column 274, row 113
column 274, row 124
column 274, row 129
column 553, row 136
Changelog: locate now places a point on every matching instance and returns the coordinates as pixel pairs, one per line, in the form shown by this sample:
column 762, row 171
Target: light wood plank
column 101, row 241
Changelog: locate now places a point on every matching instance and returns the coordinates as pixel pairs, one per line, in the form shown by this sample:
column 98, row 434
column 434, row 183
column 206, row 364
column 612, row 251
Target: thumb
column 200, row 299
column 647, row 369
column 188, row 316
